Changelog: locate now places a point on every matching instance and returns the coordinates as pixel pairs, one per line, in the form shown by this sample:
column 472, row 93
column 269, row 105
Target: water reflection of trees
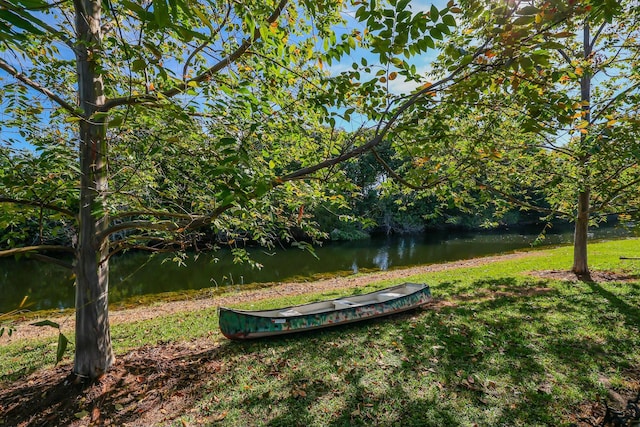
column 133, row 274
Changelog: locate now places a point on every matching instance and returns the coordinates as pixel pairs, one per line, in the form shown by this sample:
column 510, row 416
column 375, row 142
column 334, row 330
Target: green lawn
column 500, row 347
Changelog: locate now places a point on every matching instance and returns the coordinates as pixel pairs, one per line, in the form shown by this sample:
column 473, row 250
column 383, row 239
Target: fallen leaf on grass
column 298, row 392
column 219, row 417
column 80, row 415
column 95, row 414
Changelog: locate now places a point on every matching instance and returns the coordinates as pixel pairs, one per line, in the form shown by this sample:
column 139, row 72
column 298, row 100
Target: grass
column 505, row 348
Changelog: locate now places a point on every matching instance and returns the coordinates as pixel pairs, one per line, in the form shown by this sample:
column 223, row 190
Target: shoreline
column 24, row 330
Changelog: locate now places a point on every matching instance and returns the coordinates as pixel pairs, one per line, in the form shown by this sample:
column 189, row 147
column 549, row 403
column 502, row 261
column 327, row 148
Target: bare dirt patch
column 151, row 385
column 594, row 276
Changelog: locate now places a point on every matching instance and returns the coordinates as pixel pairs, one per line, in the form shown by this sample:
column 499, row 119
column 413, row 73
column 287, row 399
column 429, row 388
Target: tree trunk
column 580, row 265
column 94, row 354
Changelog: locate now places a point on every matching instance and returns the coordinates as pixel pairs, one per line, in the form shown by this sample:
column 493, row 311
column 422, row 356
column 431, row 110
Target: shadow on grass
column 631, row 312
column 506, row 351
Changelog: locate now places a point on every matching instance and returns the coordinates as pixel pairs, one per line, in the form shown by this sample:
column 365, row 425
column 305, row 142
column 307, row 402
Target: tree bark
column 580, row 265
column 93, row 354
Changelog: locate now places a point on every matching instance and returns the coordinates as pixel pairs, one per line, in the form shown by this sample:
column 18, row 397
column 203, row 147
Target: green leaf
column 19, row 22
column 115, row 122
column 433, row 13
column 62, row 347
column 449, row 20
column 138, row 64
column 161, row 12
column 46, row 323
column 81, row 414
column 528, row 10
column 524, row 20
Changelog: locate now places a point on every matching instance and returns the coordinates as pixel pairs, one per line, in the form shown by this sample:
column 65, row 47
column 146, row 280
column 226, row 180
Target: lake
column 51, row 287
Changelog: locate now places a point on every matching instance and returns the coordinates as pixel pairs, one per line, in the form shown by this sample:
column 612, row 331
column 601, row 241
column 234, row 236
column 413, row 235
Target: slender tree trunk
column 580, row 265
column 94, row 354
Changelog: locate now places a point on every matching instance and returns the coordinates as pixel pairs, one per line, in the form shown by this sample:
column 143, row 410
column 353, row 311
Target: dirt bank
column 24, row 330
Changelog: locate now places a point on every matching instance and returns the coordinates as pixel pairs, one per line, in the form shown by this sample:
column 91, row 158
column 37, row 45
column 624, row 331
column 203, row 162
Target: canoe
column 246, row 324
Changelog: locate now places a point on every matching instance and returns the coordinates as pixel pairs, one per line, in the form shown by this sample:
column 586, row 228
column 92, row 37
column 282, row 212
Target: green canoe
column 244, row 324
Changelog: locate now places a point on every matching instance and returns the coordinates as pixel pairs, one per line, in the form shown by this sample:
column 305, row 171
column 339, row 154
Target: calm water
column 49, row 286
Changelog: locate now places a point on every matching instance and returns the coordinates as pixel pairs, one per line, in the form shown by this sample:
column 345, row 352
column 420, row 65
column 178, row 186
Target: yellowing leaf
column 583, row 124
column 81, row 414
column 579, row 71
column 611, row 122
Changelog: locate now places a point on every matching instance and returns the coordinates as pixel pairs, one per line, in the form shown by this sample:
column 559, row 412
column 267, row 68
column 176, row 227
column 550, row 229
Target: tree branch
column 401, row 180
column 51, row 260
column 204, row 44
column 225, row 62
column 524, row 204
column 616, row 193
column 594, row 39
column 612, row 100
column 189, row 222
column 37, row 204
column 39, row 248
column 38, row 87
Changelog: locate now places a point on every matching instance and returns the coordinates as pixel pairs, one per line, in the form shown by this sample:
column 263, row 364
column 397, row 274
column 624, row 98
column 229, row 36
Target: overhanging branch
column 51, row 260
column 39, row 248
column 524, row 204
column 180, row 88
column 37, row 204
column 184, row 222
column 38, row 87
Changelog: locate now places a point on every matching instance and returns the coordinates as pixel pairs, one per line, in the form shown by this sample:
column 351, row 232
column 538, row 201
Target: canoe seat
column 290, row 312
column 344, row 304
column 388, row 295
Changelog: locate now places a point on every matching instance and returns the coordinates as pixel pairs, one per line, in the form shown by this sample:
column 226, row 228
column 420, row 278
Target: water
column 51, row 287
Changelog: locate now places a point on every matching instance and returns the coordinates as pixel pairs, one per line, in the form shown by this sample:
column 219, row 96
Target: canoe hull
column 240, row 324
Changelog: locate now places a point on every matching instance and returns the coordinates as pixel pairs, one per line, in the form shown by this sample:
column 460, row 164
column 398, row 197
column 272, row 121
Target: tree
column 119, row 60
column 122, row 57
column 554, row 129
column 591, row 93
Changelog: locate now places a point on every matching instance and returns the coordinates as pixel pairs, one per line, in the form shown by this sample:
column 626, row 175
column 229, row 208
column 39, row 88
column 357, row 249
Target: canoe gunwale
column 253, row 313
